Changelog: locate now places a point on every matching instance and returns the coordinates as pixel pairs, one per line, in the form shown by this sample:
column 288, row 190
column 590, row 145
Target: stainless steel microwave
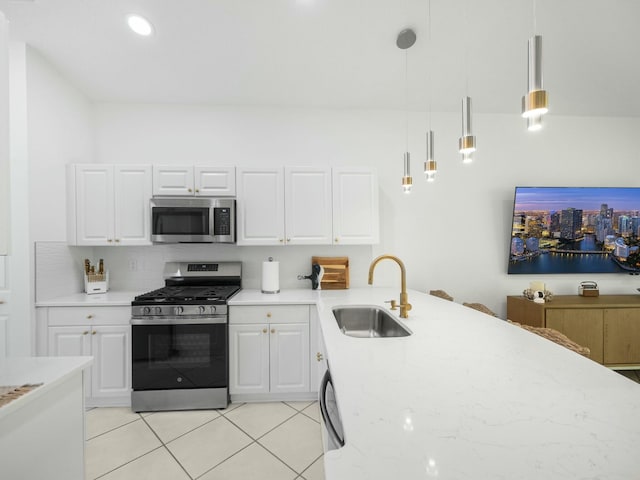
column 193, row 220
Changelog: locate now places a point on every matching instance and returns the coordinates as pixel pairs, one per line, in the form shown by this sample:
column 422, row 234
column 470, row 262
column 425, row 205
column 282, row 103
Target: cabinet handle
column 117, row 240
column 86, row 332
column 319, row 356
column 336, row 240
column 273, row 330
column 269, row 315
column 264, row 330
column 197, row 190
column 1, row 302
column 281, row 240
column 89, row 317
column 94, row 332
column 288, row 240
column 109, row 240
column 189, row 190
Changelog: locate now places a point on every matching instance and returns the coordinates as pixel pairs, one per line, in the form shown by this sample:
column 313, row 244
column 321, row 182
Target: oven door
column 172, row 354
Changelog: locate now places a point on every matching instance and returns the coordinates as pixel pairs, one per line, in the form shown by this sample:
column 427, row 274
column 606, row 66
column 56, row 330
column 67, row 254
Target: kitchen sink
column 368, row 321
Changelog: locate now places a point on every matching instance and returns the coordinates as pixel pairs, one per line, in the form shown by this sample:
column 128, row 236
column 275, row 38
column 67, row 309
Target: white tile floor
column 266, row 441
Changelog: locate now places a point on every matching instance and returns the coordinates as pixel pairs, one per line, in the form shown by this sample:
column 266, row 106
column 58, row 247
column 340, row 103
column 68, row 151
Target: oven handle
column 179, row 321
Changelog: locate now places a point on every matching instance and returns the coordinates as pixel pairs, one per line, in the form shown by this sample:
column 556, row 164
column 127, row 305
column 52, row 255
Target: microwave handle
column 323, row 410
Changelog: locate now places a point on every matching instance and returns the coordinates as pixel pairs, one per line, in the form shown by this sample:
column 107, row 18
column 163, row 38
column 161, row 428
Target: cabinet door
column 355, row 206
column 111, row 372
column 621, row 336
column 289, row 355
column 248, row 359
column 260, row 206
column 94, row 204
column 215, row 181
column 308, row 206
column 172, row 180
column 71, row 342
column 582, row 325
column 132, row 194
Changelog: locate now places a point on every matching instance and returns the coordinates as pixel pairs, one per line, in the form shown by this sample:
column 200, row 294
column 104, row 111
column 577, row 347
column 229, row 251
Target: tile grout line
column 113, row 429
column 130, row 461
column 164, row 445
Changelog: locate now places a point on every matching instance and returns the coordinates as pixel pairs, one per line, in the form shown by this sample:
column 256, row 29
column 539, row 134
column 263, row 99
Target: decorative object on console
column 588, row 289
column 544, row 295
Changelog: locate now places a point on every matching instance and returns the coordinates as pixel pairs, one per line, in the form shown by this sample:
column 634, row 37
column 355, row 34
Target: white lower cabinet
column 101, row 332
column 269, row 351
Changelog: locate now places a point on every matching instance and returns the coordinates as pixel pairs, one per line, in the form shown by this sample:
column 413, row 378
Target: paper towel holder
column 275, row 287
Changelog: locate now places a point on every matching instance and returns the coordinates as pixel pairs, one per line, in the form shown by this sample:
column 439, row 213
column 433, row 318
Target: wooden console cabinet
column 609, row 324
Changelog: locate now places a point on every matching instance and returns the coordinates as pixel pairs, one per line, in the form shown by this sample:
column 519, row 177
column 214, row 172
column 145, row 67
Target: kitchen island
column 466, row 396
column 42, row 431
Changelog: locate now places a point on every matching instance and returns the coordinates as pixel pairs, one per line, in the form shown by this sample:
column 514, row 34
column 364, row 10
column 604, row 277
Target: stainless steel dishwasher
column 332, row 433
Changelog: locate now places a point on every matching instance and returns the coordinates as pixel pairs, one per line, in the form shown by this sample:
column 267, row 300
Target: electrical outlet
column 133, row 265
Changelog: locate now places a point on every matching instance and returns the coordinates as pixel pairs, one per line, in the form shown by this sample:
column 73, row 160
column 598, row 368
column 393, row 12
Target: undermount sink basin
column 368, row 321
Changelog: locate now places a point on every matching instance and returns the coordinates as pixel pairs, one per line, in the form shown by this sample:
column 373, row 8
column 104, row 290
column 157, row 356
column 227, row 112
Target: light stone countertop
column 110, row 298
column 50, row 371
column 468, row 396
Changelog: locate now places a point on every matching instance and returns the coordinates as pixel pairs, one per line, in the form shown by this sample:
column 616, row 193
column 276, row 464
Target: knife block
column 96, row 283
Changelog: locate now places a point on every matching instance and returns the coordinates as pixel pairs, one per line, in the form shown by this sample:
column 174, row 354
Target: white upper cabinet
column 260, row 206
column 194, row 181
column 355, row 206
column 307, row 206
column 108, row 204
column 215, row 181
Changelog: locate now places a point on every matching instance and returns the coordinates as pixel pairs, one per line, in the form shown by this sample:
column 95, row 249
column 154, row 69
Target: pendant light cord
column 406, row 96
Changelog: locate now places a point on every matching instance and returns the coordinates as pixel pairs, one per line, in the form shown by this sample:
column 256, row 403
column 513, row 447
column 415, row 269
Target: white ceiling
column 341, row 53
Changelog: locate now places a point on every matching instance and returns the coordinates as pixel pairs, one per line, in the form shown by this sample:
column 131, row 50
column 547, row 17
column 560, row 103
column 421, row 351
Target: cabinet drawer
column 89, row 315
column 269, row 314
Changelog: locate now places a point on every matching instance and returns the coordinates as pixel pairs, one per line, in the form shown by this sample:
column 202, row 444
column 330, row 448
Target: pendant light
column 467, row 142
column 535, row 103
column 406, row 39
column 430, row 166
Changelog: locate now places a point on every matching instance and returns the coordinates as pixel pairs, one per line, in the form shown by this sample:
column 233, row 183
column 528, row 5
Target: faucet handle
column 394, row 305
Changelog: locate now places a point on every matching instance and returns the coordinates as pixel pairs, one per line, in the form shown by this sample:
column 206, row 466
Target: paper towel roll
column 270, row 277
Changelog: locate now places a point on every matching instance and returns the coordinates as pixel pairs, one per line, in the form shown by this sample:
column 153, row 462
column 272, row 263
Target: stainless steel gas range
column 179, row 338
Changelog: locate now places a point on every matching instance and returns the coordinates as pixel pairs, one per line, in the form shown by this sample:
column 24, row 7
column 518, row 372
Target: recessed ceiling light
column 140, row 25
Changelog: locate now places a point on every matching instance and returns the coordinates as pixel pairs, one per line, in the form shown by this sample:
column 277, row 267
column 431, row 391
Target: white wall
column 453, row 234
column 51, row 125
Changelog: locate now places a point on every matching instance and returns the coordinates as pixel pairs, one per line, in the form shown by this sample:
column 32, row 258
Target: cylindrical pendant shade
column 535, row 102
column 466, row 116
column 407, row 181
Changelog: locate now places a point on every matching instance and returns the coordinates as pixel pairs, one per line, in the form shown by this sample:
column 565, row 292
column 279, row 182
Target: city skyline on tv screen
column 575, row 230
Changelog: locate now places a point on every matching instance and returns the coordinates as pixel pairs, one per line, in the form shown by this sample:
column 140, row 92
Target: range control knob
column 213, row 309
column 202, row 309
column 158, row 310
column 146, row 311
column 179, row 310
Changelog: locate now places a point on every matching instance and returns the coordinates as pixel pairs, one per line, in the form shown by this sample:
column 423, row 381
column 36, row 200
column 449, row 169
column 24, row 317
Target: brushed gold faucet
column 405, row 306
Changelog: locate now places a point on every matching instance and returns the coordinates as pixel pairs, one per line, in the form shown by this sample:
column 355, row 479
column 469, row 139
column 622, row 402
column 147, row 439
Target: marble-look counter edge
column 112, row 298
column 50, row 371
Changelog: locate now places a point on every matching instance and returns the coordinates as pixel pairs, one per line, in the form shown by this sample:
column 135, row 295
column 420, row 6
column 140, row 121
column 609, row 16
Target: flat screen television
column 575, row 230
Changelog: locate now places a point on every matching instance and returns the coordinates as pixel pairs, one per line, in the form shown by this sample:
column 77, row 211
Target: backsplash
column 59, row 267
